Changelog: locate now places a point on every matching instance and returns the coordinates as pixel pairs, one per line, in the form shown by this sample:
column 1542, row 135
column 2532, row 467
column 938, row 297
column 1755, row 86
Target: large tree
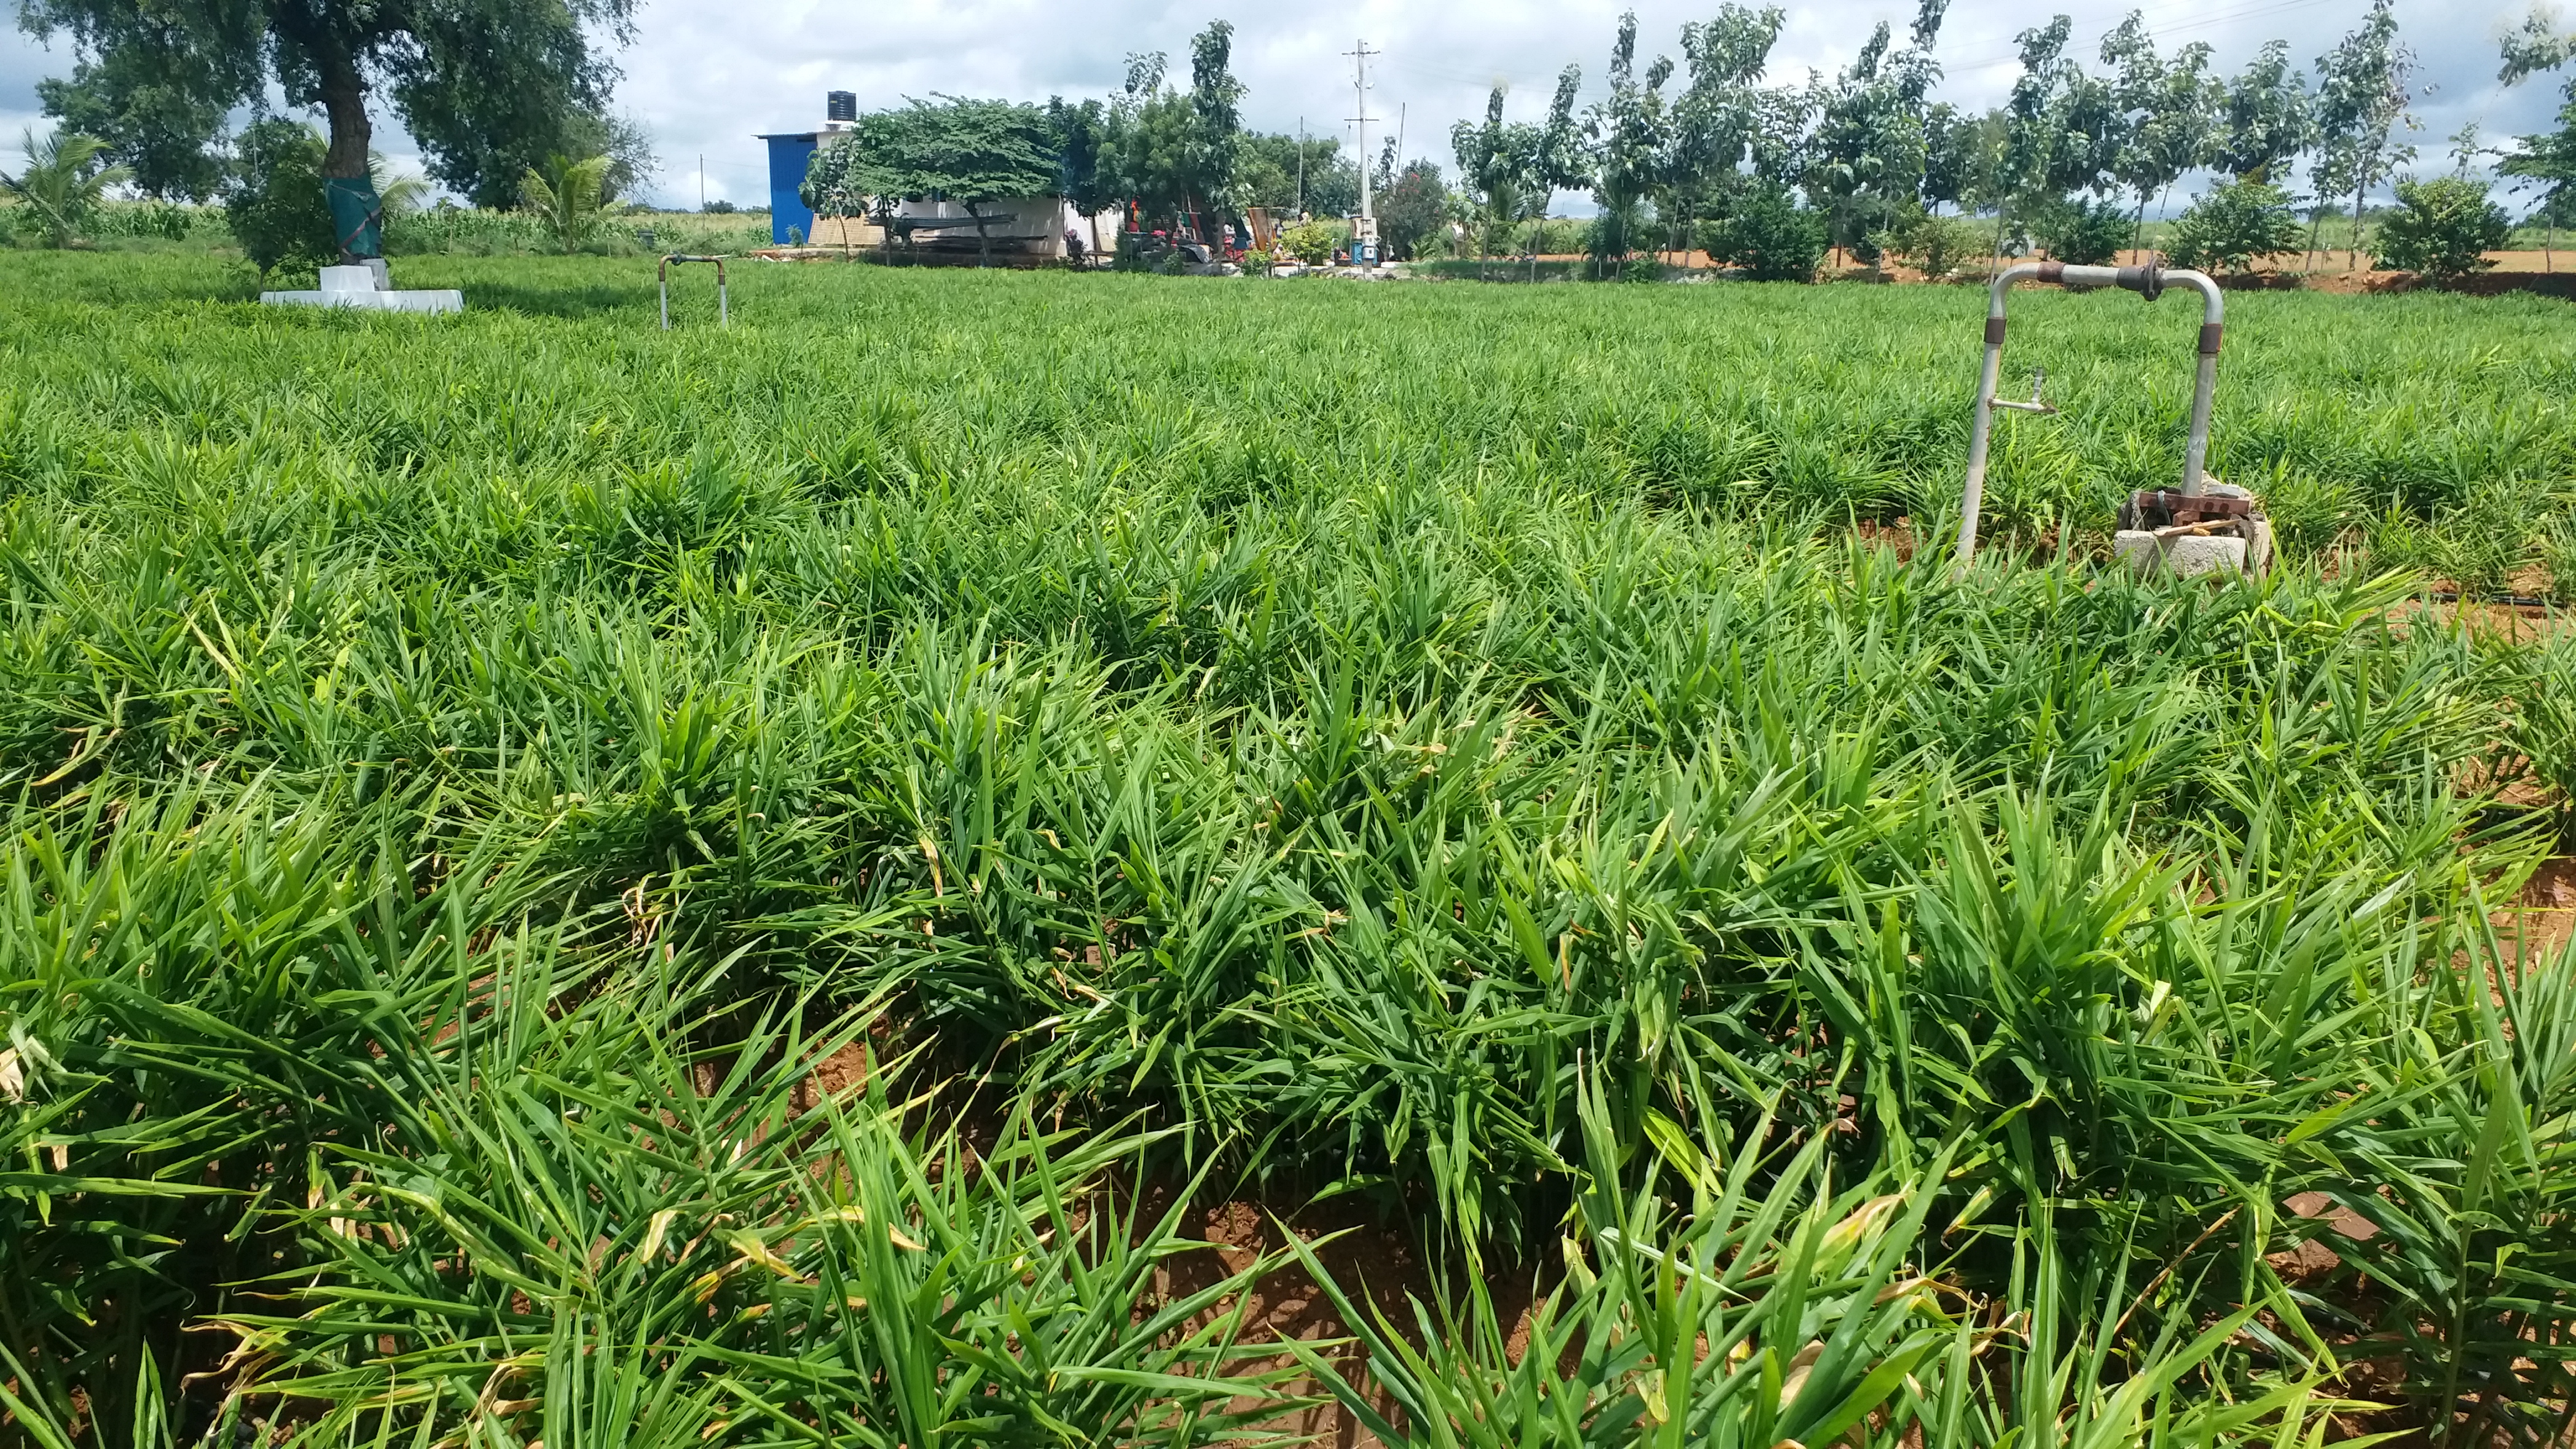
column 2269, row 117
column 2361, row 102
column 2170, row 111
column 1869, row 149
column 486, row 86
column 972, row 152
column 1173, row 153
column 1215, row 104
column 1719, row 118
column 1630, row 130
column 2546, row 161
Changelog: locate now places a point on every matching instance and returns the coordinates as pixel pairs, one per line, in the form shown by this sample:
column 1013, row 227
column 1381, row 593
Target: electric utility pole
column 1365, row 228
column 1301, row 168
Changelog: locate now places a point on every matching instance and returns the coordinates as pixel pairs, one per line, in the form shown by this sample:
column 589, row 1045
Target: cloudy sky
column 705, row 75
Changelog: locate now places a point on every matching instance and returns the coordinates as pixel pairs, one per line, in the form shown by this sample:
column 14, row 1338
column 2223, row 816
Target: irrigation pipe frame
column 2148, row 281
column 724, row 306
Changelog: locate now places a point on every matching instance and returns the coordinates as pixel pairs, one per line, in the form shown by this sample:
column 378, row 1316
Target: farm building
column 1019, row 229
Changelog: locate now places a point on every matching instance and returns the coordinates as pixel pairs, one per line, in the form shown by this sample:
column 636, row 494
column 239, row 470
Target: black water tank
column 841, row 106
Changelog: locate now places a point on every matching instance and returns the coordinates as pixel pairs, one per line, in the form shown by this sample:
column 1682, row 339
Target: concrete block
column 2258, row 548
column 2187, row 555
column 365, row 286
column 442, row 300
column 2190, row 556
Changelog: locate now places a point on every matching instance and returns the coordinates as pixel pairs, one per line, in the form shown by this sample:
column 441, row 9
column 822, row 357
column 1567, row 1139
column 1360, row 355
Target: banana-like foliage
column 572, row 196
column 62, row 183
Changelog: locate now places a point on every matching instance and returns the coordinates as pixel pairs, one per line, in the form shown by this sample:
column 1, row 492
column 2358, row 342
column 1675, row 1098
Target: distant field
column 778, row 885
column 2359, row 419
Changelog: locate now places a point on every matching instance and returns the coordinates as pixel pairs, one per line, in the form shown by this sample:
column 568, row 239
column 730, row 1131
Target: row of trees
column 492, row 87
column 1709, row 149
column 1154, row 151
column 2071, row 154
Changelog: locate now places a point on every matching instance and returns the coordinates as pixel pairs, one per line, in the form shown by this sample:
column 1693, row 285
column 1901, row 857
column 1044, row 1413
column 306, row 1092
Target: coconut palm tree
column 397, row 193
column 572, row 197
column 61, row 186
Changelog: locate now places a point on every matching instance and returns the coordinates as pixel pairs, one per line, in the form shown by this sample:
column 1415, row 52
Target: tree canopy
column 2362, row 97
column 154, row 107
column 2170, row 112
column 2269, row 117
column 487, row 87
column 2545, row 162
column 1289, row 174
column 952, row 148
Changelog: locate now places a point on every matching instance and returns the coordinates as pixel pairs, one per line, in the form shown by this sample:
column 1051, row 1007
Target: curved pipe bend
column 2148, row 281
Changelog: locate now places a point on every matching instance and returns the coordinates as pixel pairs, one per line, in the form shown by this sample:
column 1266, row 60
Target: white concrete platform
column 2187, row 555
column 365, row 287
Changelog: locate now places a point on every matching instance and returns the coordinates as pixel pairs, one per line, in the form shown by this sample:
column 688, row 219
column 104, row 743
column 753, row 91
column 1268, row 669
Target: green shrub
column 1933, row 245
column 1771, row 237
column 2441, row 230
column 1310, row 242
column 2233, row 225
column 2086, row 233
column 275, row 208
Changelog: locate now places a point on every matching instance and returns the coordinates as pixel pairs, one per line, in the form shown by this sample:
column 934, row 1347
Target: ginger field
column 991, row 858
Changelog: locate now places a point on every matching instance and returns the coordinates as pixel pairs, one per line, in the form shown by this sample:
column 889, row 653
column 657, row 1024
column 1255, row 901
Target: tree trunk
column 344, row 102
column 355, row 215
column 2358, row 192
column 983, row 242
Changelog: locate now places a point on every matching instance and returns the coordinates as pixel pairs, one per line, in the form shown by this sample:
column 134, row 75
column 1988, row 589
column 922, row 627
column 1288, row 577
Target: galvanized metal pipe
column 2149, row 282
column 724, row 299
column 2213, row 326
column 1982, row 431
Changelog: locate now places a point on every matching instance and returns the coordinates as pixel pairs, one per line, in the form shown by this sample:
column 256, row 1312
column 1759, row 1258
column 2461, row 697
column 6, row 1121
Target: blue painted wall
column 787, row 157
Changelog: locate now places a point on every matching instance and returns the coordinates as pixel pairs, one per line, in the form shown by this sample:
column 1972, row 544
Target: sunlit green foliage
column 463, row 776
